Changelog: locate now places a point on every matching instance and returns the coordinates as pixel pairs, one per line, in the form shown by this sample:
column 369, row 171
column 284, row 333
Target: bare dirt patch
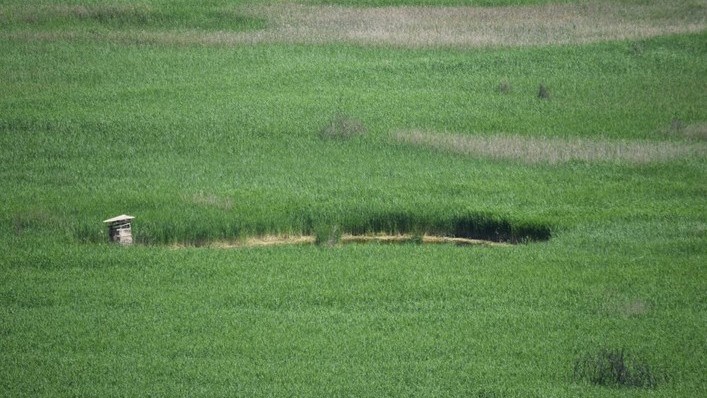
column 584, row 22
column 534, row 150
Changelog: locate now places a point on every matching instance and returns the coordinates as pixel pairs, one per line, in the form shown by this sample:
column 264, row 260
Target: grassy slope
column 360, row 320
column 210, row 142
column 228, row 139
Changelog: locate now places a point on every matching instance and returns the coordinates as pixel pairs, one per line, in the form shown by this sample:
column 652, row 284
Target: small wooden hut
column 120, row 229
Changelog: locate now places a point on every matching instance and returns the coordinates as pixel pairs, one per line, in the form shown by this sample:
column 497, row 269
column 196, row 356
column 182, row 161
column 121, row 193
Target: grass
column 554, row 151
column 97, row 16
column 342, row 127
column 361, row 320
column 615, row 368
column 417, row 25
column 205, row 143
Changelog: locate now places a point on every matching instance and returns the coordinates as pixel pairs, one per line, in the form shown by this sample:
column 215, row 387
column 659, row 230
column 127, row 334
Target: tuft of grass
column 636, row 48
column 342, row 127
column 543, row 92
column 505, row 87
column 327, row 235
column 210, row 200
column 614, row 367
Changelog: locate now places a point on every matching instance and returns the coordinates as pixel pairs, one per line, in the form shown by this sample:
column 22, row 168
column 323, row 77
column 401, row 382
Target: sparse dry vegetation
column 411, row 26
column 533, row 150
column 480, row 26
column 505, row 87
column 342, row 127
column 333, row 238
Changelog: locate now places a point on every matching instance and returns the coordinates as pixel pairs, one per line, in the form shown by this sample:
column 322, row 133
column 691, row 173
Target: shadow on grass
column 328, row 230
column 615, row 368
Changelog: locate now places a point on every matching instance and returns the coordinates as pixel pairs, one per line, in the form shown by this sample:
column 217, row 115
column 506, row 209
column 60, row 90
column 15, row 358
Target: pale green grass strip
column 533, row 150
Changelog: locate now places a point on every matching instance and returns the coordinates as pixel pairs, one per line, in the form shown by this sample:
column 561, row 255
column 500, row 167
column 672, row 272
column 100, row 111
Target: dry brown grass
column 635, row 307
column 534, row 150
column 274, row 240
column 482, row 26
column 426, row 239
column 615, row 303
column 280, row 240
column 585, row 22
column 254, row 241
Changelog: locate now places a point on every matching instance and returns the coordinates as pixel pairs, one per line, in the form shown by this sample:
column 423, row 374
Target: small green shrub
column 417, row 237
column 614, row 368
column 327, row 235
column 636, row 48
column 543, row 92
column 677, row 126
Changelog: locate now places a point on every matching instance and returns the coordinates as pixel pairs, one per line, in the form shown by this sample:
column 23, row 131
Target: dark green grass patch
column 615, row 368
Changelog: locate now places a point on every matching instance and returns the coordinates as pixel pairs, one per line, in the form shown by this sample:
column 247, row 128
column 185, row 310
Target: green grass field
column 217, row 121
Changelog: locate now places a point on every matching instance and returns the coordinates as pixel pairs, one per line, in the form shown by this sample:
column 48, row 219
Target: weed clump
column 342, row 127
column 543, row 92
column 681, row 129
column 505, row 87
column 678, row 128
column 327, row 235
column 614, row 368
column 636, row 48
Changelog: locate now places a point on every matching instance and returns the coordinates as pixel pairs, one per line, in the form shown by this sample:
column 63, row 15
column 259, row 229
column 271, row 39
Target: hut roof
column 122, row 217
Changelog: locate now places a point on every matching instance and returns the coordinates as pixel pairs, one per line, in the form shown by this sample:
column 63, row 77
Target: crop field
column 494, row 198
